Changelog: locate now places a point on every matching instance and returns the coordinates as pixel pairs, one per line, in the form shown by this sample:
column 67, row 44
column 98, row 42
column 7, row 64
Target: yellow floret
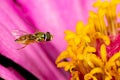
column 86, row 54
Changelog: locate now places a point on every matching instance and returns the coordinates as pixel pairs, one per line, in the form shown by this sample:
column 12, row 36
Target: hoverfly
column 27, row 39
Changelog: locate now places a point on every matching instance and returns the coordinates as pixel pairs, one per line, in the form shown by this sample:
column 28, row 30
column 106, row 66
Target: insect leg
column 22, row 47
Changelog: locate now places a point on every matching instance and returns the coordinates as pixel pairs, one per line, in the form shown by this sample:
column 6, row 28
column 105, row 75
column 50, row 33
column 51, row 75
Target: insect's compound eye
column 48, row 36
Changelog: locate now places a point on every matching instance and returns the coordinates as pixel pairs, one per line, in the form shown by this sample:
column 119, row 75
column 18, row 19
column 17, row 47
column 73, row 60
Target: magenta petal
column 8, row 74
column 33, row 57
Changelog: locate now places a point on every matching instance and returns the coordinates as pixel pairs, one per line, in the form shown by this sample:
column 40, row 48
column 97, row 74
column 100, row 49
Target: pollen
column 92, row 53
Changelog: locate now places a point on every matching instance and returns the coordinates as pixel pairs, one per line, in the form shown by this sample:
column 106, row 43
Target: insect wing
column 18, row 33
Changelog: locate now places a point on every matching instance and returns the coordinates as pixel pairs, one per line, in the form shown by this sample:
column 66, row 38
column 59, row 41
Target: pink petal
column 9, row 74
column 33, row 58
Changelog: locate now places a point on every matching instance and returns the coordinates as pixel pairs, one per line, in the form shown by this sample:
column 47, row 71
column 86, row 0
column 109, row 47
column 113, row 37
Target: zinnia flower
column 93, row 49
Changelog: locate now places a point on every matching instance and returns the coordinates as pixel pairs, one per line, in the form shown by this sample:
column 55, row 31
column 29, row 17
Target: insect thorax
column 39, row 36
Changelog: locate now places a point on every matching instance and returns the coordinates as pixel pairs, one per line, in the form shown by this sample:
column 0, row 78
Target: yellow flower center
column 86, row 54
